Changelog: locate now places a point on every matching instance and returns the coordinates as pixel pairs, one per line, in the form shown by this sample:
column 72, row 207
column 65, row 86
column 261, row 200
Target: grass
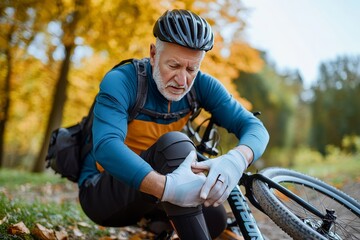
column 52, row 216
column 335, row 171
column 31, row 198
column 13, row 178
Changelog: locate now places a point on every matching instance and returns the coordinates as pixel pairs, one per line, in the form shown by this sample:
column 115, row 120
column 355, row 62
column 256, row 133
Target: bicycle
column 302, row 206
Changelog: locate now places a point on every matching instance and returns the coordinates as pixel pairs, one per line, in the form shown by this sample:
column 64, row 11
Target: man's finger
column 223, row 197
column 190, row 158
column 210, row 182
column 215, row 193
column 201, row 165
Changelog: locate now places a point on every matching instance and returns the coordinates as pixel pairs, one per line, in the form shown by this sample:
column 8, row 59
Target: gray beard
column 162, row 87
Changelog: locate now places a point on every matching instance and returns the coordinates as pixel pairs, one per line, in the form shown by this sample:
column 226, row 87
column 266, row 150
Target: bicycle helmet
column 184, row 28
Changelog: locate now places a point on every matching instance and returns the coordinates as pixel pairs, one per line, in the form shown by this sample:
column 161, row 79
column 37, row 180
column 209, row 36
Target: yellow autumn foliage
column 111, row 31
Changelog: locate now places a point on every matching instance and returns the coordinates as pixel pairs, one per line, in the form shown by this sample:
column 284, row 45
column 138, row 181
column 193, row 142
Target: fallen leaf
column 108, row 238
column 102, row 228
column 43, row 233
column 135, row 237
column 77, row 232
column 61, row 235
column 3, row 220
column 84, row 224
column 18, row 229
column 123, row 235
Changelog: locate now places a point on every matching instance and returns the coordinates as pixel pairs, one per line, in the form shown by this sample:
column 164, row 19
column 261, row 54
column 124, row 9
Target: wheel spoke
column 334, row 215
column 346, row 225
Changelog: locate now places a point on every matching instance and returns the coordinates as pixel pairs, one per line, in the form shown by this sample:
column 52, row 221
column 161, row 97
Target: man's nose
column 181, row 77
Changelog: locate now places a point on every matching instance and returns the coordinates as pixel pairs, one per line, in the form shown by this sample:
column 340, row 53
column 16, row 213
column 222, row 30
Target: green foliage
column 336, row 102
column 32, row 198
column 325, row 118
column 304, row 156
column 300, row 156
column 338, row 166
column 351, row 144
column 15, row 178
column 277, row 97
column 50, row 215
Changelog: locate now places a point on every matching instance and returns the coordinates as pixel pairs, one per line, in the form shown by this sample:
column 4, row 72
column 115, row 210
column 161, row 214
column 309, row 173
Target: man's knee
column 171, row 150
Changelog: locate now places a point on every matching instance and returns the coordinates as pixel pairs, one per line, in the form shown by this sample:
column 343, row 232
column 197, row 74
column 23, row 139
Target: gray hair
column 159, row 45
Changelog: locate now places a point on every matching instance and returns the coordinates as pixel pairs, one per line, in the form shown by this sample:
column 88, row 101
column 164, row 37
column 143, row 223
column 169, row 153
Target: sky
column 300, row 34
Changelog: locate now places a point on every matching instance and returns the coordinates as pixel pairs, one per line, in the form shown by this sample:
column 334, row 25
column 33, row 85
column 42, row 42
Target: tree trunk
column 4, row 112
column 56, row 112
column 60, row 90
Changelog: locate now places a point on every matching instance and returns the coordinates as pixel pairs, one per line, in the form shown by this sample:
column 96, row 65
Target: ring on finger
column 220, row 179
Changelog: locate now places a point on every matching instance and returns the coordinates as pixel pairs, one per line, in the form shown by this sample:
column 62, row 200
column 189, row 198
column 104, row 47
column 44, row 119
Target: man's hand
column 224, row 174
column 182, row 186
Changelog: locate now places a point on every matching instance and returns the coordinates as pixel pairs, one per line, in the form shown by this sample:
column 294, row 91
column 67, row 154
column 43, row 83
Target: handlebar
column 210, row 134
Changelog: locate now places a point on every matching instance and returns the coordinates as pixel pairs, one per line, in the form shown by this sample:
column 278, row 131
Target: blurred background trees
column 317, row 118
column 336, row 102
column 53, row 57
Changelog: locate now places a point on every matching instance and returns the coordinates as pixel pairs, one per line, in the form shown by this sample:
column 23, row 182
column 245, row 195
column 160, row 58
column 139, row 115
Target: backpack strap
column 87, row 121
column 175, row 115
column 194, row 104
column 123, row 62
column 194, row 108
column 142, row 88
column 86, row 137
column 141, row 95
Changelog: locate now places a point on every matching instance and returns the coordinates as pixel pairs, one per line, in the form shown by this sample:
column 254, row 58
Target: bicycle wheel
column 298, row 222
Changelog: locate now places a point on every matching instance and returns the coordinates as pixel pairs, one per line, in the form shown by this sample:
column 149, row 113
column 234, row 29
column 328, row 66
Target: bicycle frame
column 247, row 182
column 241, row 209
column 236, row 199
column 243, row 215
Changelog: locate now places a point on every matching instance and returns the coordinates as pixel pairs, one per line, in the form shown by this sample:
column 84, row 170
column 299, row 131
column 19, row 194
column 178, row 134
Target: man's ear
column 152, row 54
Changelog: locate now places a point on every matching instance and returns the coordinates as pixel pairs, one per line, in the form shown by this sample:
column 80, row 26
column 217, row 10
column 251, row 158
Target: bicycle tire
column 296, row 224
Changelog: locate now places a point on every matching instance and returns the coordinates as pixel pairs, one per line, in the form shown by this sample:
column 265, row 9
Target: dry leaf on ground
column 108, row 238
column 43, row 233
column 18, row 229
column 3, row 220
column 61, row 235
column 77, row 232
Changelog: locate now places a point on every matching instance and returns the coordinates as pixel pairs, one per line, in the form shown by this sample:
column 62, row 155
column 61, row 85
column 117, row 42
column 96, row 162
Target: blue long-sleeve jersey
column 117, row 143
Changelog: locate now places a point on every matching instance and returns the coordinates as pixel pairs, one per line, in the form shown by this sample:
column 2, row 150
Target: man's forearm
column 247, row 152
column 153, row 184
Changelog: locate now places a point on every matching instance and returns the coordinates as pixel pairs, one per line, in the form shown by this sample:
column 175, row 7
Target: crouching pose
column 147, row 168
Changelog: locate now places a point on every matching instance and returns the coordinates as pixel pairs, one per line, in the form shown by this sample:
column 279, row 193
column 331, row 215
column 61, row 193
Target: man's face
column 174, row 69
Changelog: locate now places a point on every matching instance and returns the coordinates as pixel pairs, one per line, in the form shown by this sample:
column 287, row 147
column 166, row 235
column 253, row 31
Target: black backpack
column 68, row 146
